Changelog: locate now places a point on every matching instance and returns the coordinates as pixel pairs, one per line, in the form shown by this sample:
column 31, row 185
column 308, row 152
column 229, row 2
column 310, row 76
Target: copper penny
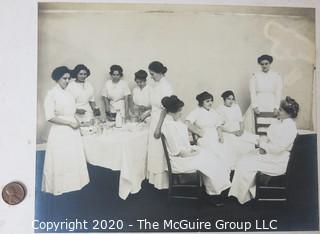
column 13, row 193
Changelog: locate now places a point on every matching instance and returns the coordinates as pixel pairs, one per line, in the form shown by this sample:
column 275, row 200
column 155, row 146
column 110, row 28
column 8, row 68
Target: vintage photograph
column 175, row 118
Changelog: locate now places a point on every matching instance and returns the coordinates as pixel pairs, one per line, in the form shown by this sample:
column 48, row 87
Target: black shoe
column 217, row 202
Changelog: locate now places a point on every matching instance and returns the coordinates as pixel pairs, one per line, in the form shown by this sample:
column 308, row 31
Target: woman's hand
column 256, row 110
column 239, row 133
column 275, row 112
column 80, row 111
column 74, row 125
column 221, row 140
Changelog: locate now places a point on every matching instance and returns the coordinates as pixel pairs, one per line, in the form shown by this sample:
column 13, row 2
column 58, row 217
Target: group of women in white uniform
column 224, row 142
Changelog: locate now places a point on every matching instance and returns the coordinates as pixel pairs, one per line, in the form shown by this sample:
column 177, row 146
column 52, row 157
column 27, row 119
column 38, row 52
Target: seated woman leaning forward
column 206, row 124
column 272, row 155
column 237, row 140
column 187, row 158
column 141, row 105
column 65, row 167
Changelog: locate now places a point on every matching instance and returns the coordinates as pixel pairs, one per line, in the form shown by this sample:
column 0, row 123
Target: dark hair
column 203, row 96
column 116, row 67
column 226, row 94
column 172, row 104
column 78, row 68
column 141, row 75
column 265, row 57
column 290, row 106
column 158, row 67
column 58, row 72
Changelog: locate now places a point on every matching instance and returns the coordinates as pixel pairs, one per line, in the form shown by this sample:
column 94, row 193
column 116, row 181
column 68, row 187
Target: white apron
column 65, row 167
column 156, row 164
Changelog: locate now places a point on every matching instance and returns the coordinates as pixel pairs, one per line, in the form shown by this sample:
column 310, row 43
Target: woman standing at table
column 156, row 164
column 272, row 155
column 265, row 91
column 83, row 93
column 206, row 124
column 116, row 94
column 236, row 139
column 65, row 167
column 141, row 95
column 185, row 158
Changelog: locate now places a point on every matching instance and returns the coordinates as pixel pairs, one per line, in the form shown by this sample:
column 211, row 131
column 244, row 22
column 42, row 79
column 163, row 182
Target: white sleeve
column 91, row 98
column 104, row 90
column 238, row 113
column 174, row 145
column 49, row 106
column 126, row 90
column 253, row 92
column 192, row 116
column 282, row 142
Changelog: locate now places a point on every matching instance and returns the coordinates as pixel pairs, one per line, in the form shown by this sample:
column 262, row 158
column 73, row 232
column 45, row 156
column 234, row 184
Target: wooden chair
column 275, row 188
column 260, row 128
column 182, row 181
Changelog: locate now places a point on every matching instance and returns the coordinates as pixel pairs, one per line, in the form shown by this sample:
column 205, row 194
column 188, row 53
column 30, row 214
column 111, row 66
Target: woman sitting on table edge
column 272, row 154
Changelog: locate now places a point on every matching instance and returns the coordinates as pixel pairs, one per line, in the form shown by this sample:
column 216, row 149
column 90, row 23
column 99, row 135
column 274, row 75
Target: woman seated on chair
column 272, row 154
column 206, row 124
column 237, row 140
column 186, row 158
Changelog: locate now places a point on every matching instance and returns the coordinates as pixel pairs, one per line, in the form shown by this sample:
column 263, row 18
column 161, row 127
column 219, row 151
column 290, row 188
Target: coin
column 14, row 193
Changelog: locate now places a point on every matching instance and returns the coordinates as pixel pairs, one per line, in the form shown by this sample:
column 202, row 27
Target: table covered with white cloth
column 123, row 149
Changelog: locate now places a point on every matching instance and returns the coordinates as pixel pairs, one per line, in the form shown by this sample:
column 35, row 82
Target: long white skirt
column 214, row 172
column 65, row 167
column 243, row 186
column 238, row 146
column 156, row 163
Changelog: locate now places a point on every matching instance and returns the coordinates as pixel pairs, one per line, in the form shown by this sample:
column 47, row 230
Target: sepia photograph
column 172, row 117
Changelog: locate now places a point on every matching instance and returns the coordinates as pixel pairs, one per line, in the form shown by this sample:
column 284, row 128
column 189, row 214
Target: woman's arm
column 253, row 94
column 194, row 128
column 157, row 132
column 126, row 107
column 57, row 120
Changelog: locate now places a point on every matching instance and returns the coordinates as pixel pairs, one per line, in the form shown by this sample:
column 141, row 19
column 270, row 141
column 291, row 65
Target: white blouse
column 176, row 134
column 281, row 135
column 266, row 90
column 141, row 97
column 82, row 92
column 59, row 103
column 204, row 119
column 159, row 90
column 116, row 93
column 231, row 116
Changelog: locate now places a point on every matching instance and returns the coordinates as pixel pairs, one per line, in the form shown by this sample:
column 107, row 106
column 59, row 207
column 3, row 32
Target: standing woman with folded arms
column 265, row 92
column 156, row 164
column 65, row 167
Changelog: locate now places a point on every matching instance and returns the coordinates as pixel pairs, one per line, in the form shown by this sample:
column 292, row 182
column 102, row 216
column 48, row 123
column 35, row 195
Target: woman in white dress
column 265, row 92
column 83, row 93
column 141, row 105
column 116, row 94
column 186, row 158
column 237, row 140
column 272, row 155
column 65, row 167
column 206, row 124
column 156, row 165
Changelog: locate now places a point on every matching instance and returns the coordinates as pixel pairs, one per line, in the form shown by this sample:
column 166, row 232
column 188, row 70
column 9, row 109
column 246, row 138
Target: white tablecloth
column 123, row 150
